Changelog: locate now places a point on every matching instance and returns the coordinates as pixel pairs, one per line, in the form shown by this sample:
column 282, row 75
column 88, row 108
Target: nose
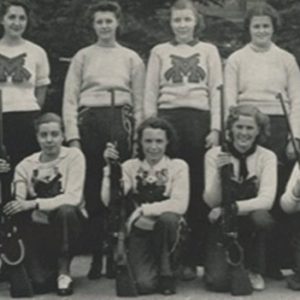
column 48, row 138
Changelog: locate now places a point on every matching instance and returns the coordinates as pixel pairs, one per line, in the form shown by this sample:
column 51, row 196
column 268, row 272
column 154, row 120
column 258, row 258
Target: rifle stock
column 12, row 249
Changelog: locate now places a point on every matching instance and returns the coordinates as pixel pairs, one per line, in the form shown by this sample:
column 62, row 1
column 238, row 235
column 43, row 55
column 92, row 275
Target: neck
column 12, row 41
column 153, row 162
column 48, row 157
column 261, row 48
column 184, row 40
column 242, row 150
column 107, row 43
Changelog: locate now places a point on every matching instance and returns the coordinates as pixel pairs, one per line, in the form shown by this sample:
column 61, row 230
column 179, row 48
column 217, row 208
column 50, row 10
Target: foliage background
column 62, row 28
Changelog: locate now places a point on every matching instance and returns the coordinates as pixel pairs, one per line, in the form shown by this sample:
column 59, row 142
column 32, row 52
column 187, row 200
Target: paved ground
column 103, row 289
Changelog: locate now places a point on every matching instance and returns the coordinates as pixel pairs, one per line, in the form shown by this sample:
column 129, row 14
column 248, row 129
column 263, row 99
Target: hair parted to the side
column 193, row 6
column 48, row 118
column 158, row 123
column 262, row 120
column 261, row 10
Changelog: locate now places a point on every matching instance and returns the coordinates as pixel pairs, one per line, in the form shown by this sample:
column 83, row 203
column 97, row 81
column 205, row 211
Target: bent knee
column 168, row 218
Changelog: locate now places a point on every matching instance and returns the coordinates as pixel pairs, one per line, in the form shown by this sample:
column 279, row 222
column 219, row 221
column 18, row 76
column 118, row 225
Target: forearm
column 40, row 94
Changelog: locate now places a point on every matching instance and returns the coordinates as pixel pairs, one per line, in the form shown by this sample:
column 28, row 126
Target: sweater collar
column 162, row 164
column 191, row 43
column 62, row 154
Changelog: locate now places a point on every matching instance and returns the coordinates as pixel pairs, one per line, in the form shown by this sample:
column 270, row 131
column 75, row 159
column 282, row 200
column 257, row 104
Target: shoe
column 167, row 285
column 257, row 281
column 188, row 273
column 293, row 282
column 64, row 285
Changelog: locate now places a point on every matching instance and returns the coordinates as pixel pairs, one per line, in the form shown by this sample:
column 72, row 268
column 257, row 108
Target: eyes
column 104, row 21
column 13, row 17
column 242, row 127
column 53, row 134
column 186, row 19
column 263, row 26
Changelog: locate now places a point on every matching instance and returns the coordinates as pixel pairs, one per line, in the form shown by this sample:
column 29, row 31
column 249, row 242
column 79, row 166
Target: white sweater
column 262, row 164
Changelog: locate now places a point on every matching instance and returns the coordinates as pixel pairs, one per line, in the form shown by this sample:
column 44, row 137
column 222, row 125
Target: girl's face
column 154, row 144
column 183, row 23
column 261, row 31
column 105, row 25
column 15, row 21
column 244, row 133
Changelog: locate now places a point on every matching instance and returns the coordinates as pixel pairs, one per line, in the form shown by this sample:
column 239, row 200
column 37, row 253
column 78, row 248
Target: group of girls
column 178, row 91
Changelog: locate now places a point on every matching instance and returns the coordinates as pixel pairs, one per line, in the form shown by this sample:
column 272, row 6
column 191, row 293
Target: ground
column 104, row 289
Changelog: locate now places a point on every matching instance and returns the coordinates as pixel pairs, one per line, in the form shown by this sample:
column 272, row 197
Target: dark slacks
column 45, row 243
column 192, row 127
column 252, row 230
column 95, row 126
column 152, row 253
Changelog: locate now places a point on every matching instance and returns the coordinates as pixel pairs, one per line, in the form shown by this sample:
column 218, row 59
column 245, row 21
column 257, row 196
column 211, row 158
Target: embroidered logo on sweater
column 14, row 68
column 185, row 67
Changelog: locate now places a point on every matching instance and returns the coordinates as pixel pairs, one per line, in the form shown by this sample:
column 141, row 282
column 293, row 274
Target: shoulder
column 129, row 52
column 86, row 51
column 35, row 49
column 265, row 154
column 29, row 162
column 239, row 54
column 284, row 54
column 161, row 48
column 72, row 153
column 207, row 46
column 178, row 164
column 131, row 164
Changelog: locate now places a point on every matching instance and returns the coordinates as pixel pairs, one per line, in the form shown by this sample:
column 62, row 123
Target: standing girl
column 93, row 73
column 181, row 86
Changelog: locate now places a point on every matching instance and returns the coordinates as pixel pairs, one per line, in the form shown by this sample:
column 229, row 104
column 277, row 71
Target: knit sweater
column 253, row 77
column 69, row 168
column 262, row 164
column 93, row 71
column 22, row 69
column 184, row 75
column 289, row 202
column 172, row 174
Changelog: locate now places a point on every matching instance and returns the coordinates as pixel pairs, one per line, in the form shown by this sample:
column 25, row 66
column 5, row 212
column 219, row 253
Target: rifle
column 125, row 283
column 240, row 284
column 289, row 127
column 12, row 249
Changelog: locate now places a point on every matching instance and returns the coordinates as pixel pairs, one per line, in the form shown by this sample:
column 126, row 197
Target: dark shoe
column 275, row 274
column 188, row 273
column 293, row 282
column 46, row 287
column 95, row 271
column 167, row 285
column 64, row 285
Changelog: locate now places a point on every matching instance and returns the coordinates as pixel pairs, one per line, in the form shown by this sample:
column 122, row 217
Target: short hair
column 158, row 123
column 262, row 120
column 7, row 4
column 189, row 4
column 105, row 6
column 260, row 10
column 48, row 118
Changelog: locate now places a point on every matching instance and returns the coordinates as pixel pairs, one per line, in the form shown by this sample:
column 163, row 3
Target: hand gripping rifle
column 289, row 127
column 125, row 283
column 12, row 249
column 234, row 253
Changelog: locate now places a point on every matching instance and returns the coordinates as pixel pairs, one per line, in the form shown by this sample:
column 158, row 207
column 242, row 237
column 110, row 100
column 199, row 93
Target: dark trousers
column 95, row 126
column 252, row 231
column 192, row 127
column 20, row 141
column 45, row 243
column 152, row 253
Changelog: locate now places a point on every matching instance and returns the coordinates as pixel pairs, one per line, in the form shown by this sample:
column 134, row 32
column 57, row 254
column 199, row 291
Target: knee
column 262, row 220
column 168, row 219
column 65, row 211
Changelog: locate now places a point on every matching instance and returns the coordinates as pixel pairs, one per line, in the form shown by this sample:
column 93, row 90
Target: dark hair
column 189, row 4
column 7, row 4
column 262, row 120
column 261, row 10
column 158, row 123
column 48, row 118
column 4, row 7
column 105, row 6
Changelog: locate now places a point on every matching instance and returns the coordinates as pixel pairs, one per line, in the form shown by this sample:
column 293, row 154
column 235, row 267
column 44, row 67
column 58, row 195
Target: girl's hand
column 223, row 159
column 110, row 153
column 17, row 206
column 133, row 217
column 212, row 139
column 4, row 166
column 215, row 214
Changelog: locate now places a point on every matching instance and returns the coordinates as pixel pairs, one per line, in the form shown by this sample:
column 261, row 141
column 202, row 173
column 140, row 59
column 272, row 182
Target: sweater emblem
column 14, row 68
column 185, row 67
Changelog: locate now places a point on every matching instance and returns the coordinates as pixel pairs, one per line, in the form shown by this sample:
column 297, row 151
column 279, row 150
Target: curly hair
column 104, row 6
column 261, row 10
column 189, row 4
column 157, row 123
column 262, row 120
